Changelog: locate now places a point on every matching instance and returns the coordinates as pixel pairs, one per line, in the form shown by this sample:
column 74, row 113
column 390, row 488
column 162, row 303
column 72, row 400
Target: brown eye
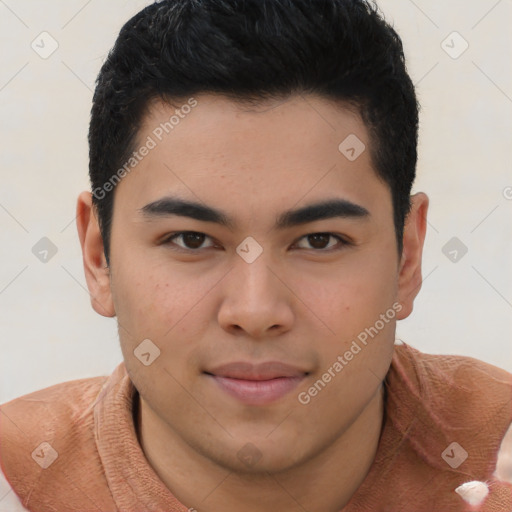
column 187, row 240
column 319, row 240
column 193, row 240
column 322, row 241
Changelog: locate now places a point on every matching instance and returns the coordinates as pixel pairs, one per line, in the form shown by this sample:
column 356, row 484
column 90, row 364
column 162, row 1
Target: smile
column 257, row 392
column 257, row 384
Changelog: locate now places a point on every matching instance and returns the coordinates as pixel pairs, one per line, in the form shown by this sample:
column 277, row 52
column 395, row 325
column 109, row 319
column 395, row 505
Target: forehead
column 294, row 120
column 277, row 151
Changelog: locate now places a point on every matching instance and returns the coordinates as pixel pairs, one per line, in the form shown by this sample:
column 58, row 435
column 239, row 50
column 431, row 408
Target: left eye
column 321, row 240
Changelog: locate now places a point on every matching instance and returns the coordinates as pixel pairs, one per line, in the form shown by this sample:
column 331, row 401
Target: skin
column 301, row 302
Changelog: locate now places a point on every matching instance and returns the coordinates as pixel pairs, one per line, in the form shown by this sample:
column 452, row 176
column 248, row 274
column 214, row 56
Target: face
column 270, row 302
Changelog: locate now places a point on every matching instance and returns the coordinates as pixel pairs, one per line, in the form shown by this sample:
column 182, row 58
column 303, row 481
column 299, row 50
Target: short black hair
column 254, row 50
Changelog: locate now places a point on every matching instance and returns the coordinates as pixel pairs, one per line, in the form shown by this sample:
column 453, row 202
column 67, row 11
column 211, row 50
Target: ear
column 409, row 277
column 96, row 270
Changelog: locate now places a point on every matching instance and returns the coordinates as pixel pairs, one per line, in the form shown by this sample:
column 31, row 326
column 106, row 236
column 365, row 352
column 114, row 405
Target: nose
column 256, row 301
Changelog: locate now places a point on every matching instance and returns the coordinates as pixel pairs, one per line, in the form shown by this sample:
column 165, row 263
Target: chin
column 259, row 456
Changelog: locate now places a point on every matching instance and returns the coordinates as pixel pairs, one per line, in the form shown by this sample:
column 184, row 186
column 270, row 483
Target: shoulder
column 9, row 502
column 449, row 377
column 72, row 401
column 46, row 428
column 451, row 405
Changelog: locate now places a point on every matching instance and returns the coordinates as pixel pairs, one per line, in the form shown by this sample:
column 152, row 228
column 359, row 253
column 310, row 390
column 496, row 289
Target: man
column 251, row 228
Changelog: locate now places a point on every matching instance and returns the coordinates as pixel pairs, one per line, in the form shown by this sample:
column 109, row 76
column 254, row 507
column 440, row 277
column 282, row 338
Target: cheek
column 352, row 295
column 145, row 290
column 350, row 303
column 161, row 304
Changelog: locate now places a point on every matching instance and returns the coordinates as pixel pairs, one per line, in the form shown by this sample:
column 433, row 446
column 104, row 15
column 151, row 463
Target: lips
column 258, row 384
column 262, row 371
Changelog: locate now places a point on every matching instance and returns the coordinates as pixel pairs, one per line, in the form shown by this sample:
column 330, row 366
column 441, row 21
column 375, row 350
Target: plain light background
column 48, row 330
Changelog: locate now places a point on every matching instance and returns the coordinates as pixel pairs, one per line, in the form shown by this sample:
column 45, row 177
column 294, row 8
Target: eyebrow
column 330, row 208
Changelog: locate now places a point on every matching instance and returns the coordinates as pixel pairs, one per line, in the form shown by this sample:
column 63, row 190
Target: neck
column 324, row 483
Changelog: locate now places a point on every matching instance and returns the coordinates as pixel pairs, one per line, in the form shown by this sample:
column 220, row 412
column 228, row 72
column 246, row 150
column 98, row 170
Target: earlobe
column 96, row 270
column 409, row 277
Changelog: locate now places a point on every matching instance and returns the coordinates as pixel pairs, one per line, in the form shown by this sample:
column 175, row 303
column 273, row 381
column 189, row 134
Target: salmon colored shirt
column 73, row 446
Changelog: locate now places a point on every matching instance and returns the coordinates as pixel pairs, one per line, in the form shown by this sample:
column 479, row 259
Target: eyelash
column 169, row 241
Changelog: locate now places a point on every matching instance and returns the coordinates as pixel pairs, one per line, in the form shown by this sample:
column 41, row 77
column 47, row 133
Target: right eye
column 190, row 240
